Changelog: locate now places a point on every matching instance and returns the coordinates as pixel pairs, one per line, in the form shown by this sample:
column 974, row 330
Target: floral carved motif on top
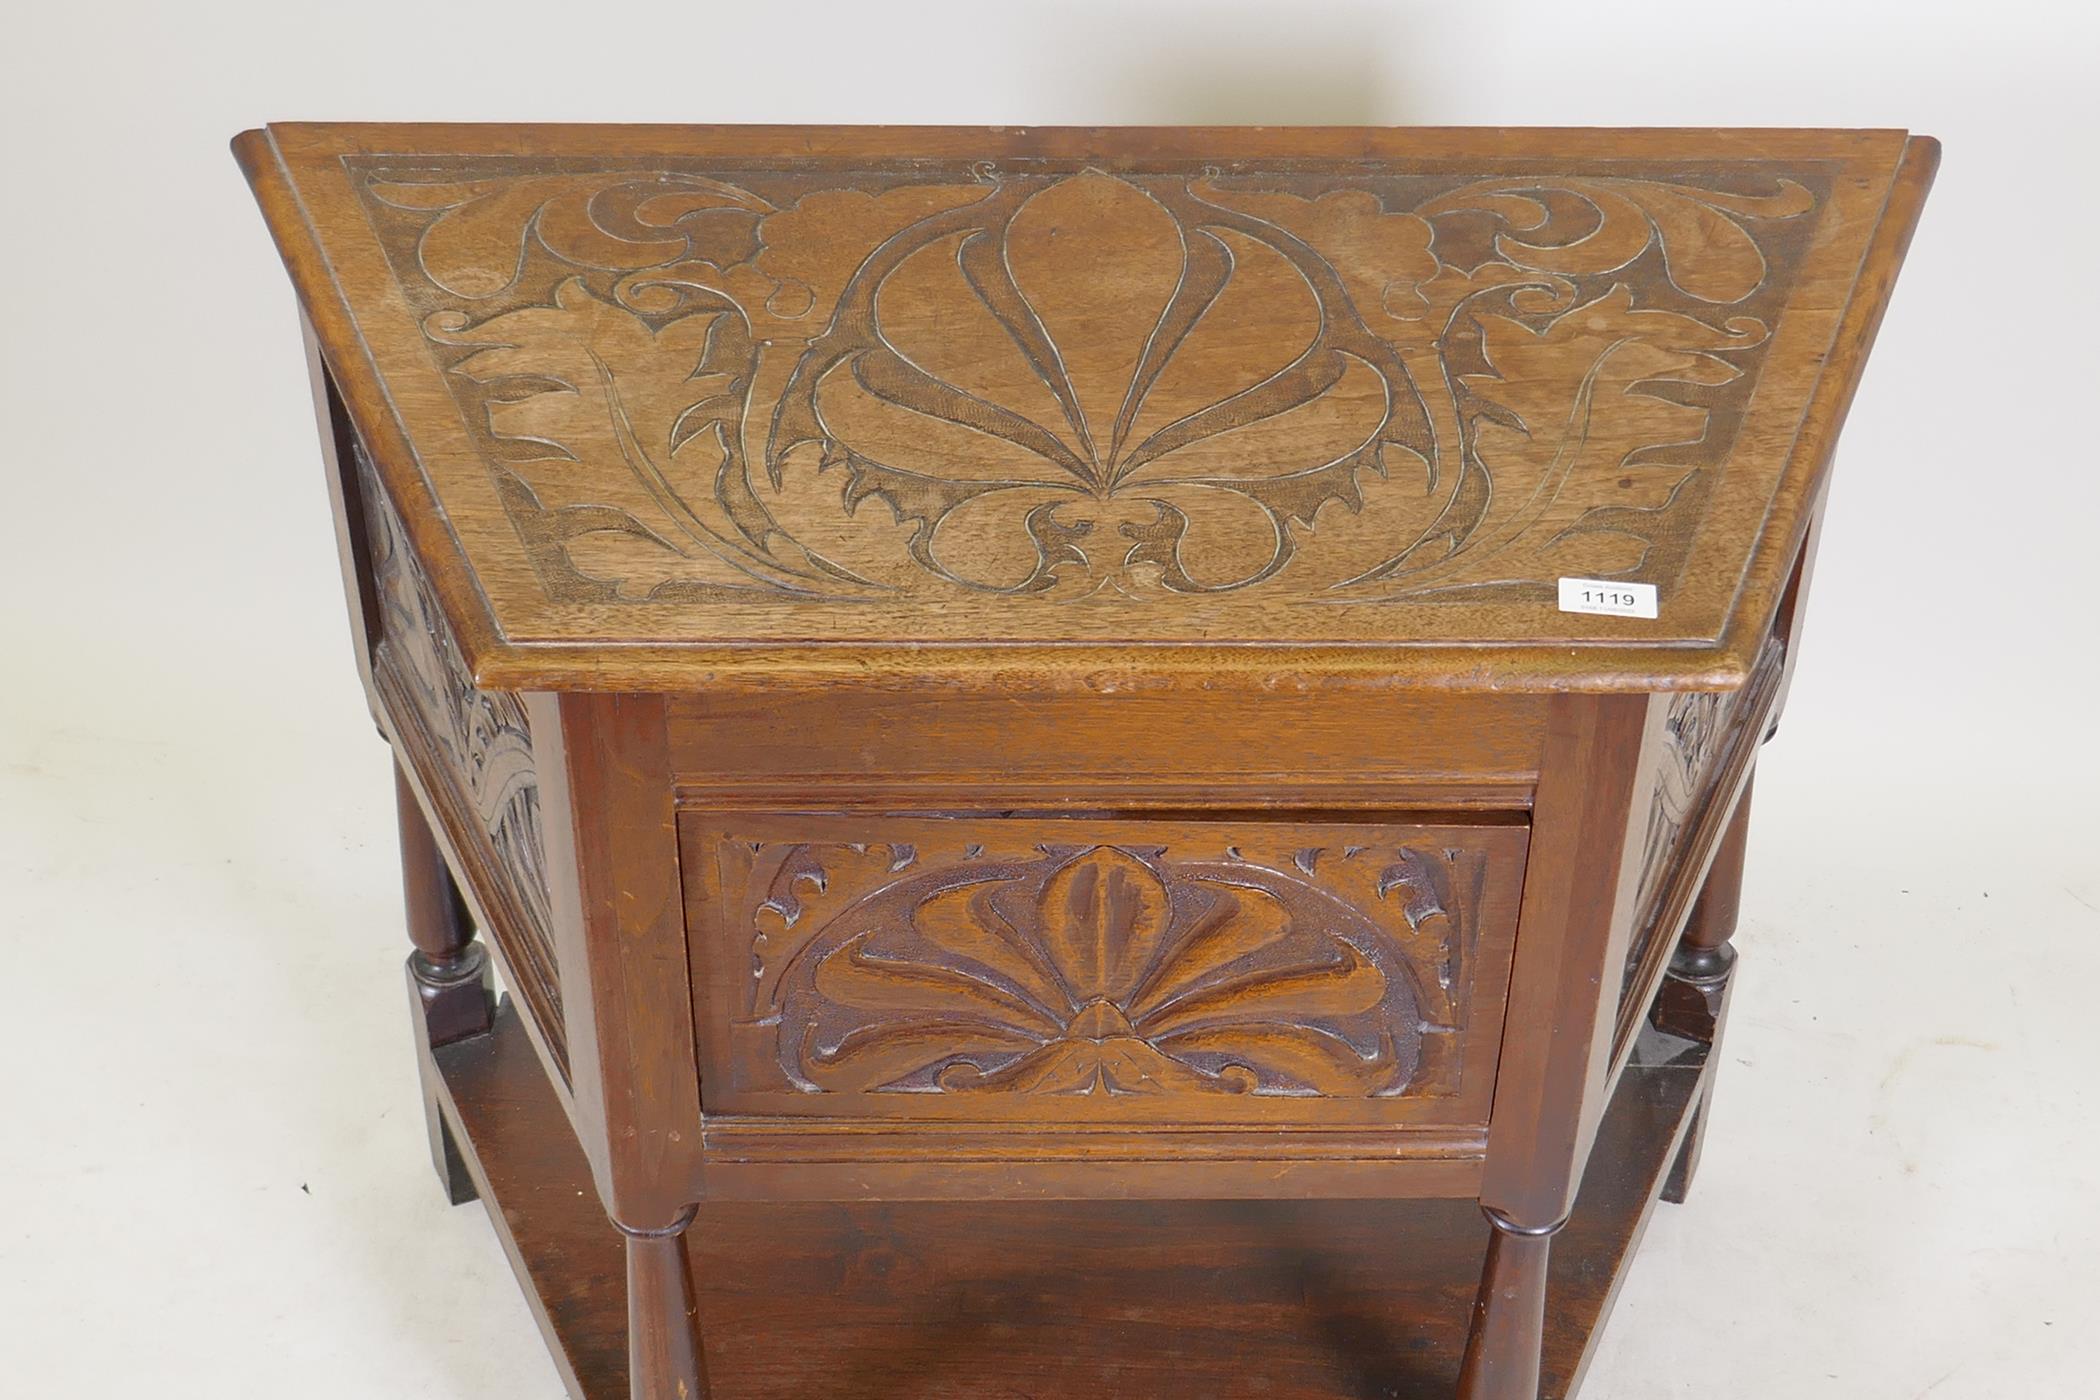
column 1065, row 382
column 1107, row 971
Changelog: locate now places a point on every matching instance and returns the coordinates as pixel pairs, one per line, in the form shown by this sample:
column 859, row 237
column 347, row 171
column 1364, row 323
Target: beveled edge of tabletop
column 501, row 663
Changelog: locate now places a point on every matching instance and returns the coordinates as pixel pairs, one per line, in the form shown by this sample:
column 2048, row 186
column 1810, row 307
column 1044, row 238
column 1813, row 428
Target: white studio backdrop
column 211, row 1156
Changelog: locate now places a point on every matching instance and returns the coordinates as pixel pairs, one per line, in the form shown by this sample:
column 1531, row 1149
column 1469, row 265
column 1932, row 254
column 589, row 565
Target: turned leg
column 1509, row 1314
column 449, row 988
column 664, row 1357
column 1694, row 998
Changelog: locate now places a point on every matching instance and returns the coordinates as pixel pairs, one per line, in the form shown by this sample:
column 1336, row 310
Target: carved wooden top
column 659, row 403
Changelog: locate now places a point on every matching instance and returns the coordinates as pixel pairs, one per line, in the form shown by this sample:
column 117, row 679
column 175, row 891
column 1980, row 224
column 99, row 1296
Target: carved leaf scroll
column 1067, row 383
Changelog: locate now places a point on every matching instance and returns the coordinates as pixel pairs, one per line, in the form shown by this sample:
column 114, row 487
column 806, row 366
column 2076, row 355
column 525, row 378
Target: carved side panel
column 1701, row 730
column 1692, row 738
column 482, row 742
column 1073, row 970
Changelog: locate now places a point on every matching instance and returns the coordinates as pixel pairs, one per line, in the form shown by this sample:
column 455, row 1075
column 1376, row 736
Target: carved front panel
column 1071, row 970
column 480, row 739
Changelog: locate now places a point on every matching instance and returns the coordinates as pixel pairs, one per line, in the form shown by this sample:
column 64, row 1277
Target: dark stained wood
column 464, row 756
column 1792, row 617
column 1339, row 984
column 488, row 889
column 999, row 696
column 347, row 508
column 612, row 857
column 1581, row 887
column 1392, row 750
column 1695, row 996
column 432, row 1015
column 438, row 922
column 1727, row 738
column 1705, row 950
column 664, row 1358
column 1190, row 971
column 956, row 1301
column 450, row 992
column 476, row 748
column 1504, row 1345
column 1577, row 915
column 530, row 1172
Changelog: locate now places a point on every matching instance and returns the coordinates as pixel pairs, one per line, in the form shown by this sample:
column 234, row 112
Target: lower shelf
column 1026, row 1301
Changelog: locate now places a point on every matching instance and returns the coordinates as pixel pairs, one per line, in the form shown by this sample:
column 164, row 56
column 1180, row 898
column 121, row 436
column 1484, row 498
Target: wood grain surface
column 942, row 1301
column 891, row 402
column 1000, row 697
column 1096, row 972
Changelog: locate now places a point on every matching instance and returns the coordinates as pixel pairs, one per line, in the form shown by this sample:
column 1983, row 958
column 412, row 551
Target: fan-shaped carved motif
column 1107, row 970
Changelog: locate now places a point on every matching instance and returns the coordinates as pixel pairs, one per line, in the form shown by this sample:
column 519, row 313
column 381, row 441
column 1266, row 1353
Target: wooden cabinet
column 1007, row 705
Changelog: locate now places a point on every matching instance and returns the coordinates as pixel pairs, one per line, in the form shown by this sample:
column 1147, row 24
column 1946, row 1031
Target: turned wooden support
column 448, row 968
column 1694, row 999
column 450, row 990
column 664, row 1356
column 1509, row 1314
column 1704, row 953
